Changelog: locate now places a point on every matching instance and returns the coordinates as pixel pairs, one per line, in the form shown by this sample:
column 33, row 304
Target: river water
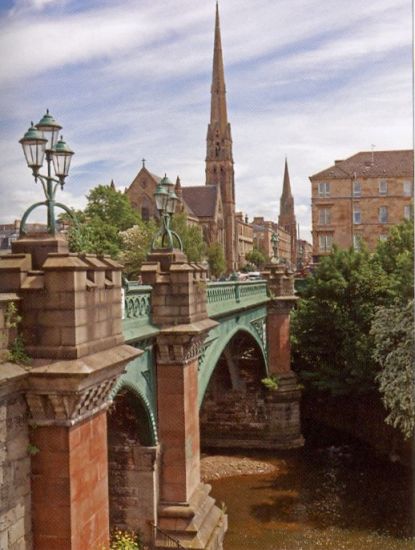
column 333, row 497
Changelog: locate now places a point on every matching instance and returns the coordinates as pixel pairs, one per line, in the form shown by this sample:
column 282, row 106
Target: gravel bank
column 218, row 467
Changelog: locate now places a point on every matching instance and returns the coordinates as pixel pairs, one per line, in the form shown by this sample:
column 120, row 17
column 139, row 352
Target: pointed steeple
column 219, row 158
column 218, row 111
column 112, row 185
column 286, row 186
column 286, row 219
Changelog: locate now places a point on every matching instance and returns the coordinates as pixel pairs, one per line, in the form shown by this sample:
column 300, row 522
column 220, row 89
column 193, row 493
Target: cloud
column 132, row 79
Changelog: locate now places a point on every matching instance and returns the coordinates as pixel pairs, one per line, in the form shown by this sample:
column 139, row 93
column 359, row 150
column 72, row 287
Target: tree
column 393, row 333
column 97, row 228
column 112, row 207
column 256, row 257
column 191, row 237
column 216, row 259
column 332, row 344
column 136, row 243
column 396, row 257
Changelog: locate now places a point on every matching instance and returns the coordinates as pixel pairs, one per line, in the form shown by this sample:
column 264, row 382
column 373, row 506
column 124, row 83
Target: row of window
column 324, row 188
column 324, row 214
column 325, row 242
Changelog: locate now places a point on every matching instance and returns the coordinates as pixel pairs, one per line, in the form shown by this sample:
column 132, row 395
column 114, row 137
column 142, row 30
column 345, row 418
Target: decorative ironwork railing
column 232, row 295
column 222, row 298
column 136, row 315
column 164, row 539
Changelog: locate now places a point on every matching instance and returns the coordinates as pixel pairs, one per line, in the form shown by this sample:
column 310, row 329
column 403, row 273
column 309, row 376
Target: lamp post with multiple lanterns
column 40, row 141
column 166, row 203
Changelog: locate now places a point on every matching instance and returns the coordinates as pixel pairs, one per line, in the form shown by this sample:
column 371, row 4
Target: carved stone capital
column 283, row 304
column 184, row 343
column 66, row 392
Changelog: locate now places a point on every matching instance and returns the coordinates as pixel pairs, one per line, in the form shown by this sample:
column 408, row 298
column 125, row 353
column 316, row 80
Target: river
column 331, row 497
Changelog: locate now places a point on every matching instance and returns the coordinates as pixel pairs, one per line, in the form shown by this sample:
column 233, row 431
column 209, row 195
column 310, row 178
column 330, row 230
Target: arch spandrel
column 250, row 322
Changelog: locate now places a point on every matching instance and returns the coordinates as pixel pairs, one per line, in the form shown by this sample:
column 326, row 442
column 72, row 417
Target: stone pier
column 71, row 324
column 186, row 512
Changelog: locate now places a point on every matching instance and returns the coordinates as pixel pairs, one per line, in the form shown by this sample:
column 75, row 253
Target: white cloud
column 304, row 78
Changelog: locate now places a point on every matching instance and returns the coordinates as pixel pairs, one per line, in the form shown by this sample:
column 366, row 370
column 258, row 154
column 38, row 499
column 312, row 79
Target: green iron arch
column 123, row 384
column 215, row 350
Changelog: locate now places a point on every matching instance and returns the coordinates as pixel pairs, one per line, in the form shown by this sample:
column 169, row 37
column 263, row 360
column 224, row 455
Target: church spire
column 218, row 111
column 286, row 219
column 286, row 187
column 219, row 158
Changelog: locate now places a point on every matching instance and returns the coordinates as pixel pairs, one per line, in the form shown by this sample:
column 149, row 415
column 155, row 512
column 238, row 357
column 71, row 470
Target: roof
column 201, row 199
column 372, row 164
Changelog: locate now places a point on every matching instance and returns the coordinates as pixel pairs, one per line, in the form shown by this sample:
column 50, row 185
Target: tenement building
column 358, row 199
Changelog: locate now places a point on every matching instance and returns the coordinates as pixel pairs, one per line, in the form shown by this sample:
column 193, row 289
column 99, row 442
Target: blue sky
column 311, row 80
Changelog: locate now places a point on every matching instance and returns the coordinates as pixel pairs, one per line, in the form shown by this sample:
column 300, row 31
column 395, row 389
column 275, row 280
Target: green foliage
column 352, row 329
column 393, row 333
column 136, row 243
column 112, row 207
column 191, row 236
column 124, row 540
column 32, row 450
column 396, row 257
column 12, row 317
column 271, row 382
column 256, row 257
column 331, row 327
column 94, row 236
column 17, row 352
column 97, row 229
column 216, row 259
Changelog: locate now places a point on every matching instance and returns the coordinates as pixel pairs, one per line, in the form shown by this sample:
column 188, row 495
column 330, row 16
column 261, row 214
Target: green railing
column 137, row 311
column 222, row 298
column 227, row 297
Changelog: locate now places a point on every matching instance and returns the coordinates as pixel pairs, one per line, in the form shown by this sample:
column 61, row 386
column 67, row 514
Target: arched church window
column 145, row 213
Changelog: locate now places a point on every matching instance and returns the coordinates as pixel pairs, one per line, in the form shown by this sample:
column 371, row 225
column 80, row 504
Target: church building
column 212, row 205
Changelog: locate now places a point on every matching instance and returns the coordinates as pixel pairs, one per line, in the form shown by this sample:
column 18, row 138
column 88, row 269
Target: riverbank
column 223, row 466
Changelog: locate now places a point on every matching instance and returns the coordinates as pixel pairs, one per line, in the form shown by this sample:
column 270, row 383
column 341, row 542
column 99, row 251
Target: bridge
column 123, row 398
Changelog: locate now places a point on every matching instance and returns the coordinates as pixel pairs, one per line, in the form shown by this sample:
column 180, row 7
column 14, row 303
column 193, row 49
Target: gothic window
column 145, row 214
column 217, row 149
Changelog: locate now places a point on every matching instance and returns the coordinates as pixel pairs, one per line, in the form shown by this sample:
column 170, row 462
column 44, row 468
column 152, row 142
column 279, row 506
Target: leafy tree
column 112, row 207
column 216, row 259
column 136, row 243
column 396, row 257
column 97, row 228
column 191, row 236
column 392, row 330
column 331, row 327
column 93, row 236
column 256, row 257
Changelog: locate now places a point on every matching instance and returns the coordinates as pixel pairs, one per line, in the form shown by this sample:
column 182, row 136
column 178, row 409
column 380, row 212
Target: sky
column 310, row 80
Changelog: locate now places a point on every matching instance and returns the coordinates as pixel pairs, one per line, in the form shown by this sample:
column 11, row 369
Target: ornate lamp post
column 166, row 203
column 39, row 141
